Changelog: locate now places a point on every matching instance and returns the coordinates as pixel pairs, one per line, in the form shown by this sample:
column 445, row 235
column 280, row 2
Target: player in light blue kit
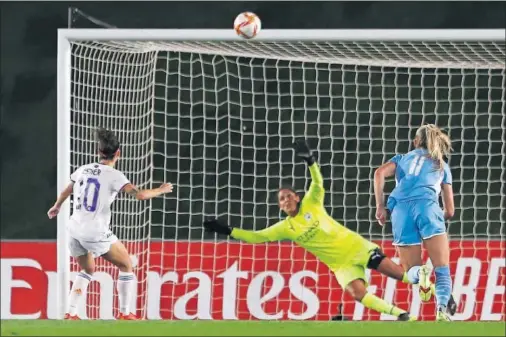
column 421, row 175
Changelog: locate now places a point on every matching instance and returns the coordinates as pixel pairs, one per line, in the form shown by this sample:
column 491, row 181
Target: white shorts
column 80, row 247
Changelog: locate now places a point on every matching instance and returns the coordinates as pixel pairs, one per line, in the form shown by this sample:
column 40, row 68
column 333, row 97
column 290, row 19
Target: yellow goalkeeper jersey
column 313, row 229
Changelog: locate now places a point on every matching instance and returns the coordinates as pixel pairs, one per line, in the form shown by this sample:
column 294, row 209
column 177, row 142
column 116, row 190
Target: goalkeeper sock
column 125, row 287
column 411, row 276
column 78, row 291
column 443, row 286
column 375, row 303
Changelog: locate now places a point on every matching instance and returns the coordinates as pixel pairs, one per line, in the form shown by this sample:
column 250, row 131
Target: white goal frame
column 66, row 36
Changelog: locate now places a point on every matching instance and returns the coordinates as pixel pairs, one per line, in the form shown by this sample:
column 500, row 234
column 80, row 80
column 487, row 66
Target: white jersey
column 95, row 188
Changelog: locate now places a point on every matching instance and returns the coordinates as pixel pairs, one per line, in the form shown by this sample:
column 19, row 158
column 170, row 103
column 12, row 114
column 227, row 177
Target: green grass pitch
column 247, row 328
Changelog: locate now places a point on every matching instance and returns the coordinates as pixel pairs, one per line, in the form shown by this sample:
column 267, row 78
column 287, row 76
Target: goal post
column 63, row 148
column 215, row 115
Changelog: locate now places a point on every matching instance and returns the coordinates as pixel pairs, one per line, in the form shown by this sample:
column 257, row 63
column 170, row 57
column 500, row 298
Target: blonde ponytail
column 437, row 143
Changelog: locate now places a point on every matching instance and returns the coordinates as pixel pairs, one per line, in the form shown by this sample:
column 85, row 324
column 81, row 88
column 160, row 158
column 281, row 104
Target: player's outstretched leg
column 80, row 285
column 416, row 272
column 358, row 290
column 118, row 256
column 415, row 275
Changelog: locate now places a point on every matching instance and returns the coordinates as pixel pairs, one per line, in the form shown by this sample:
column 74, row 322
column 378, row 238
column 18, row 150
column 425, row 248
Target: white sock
column 125, row 286
column 78, row 291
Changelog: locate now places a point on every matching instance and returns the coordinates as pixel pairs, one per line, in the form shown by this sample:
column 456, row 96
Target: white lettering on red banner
column 193, row 280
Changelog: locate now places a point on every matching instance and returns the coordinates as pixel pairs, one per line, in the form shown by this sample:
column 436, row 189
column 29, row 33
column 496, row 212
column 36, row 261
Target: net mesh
column 217, row 119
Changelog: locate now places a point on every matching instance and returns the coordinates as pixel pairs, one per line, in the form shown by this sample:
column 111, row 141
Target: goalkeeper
column 346, row 253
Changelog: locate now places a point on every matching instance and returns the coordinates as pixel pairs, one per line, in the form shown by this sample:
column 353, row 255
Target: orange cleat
column 71, row 318
column 129, row 317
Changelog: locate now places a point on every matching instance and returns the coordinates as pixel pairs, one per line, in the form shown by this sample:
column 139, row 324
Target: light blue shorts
column 416, row 220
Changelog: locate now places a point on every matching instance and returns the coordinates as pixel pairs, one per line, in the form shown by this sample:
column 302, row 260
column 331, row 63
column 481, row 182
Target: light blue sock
column 413, row 275
column 443, row 286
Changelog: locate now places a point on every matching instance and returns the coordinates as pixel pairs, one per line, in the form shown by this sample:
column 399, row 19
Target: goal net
column 217, row 119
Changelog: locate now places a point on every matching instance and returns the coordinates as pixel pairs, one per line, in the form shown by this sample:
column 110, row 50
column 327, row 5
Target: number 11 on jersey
column 416, row 165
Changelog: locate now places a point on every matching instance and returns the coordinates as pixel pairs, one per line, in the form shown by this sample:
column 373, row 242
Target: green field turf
column 247, row 328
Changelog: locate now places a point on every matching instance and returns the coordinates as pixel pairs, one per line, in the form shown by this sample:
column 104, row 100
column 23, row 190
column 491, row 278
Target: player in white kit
column 95, row 187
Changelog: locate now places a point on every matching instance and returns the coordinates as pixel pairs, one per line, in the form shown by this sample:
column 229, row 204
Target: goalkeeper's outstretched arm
column 316, row 190
column 272, row 233
column 278, row 231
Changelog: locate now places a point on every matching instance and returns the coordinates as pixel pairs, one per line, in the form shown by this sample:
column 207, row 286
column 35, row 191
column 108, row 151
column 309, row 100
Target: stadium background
column 28, row 112
column 28, row 82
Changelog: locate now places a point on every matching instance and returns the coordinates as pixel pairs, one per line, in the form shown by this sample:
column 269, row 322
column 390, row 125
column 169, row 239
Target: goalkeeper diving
column 346, row 253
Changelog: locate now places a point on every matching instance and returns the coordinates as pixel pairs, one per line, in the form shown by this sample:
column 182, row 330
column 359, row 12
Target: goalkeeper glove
column 303, row 152
column 215, row 226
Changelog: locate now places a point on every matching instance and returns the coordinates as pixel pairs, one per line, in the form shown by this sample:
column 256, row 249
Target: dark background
column 28, row 109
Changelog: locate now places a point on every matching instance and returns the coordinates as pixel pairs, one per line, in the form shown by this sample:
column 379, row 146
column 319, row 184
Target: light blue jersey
column 418, row 177
column 414, row 202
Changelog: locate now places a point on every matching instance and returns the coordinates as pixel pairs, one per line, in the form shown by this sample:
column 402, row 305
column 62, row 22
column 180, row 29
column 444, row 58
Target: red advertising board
column 195, row 280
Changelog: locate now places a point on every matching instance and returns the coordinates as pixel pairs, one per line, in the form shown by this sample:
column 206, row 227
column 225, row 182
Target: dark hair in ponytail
column 108, row 144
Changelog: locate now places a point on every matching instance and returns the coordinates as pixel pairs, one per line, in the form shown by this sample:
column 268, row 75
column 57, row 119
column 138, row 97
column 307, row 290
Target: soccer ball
column 247, row 25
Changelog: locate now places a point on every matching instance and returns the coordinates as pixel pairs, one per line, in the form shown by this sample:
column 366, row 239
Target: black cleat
column 451, row 308
column 405, row 317
column 340, row 316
